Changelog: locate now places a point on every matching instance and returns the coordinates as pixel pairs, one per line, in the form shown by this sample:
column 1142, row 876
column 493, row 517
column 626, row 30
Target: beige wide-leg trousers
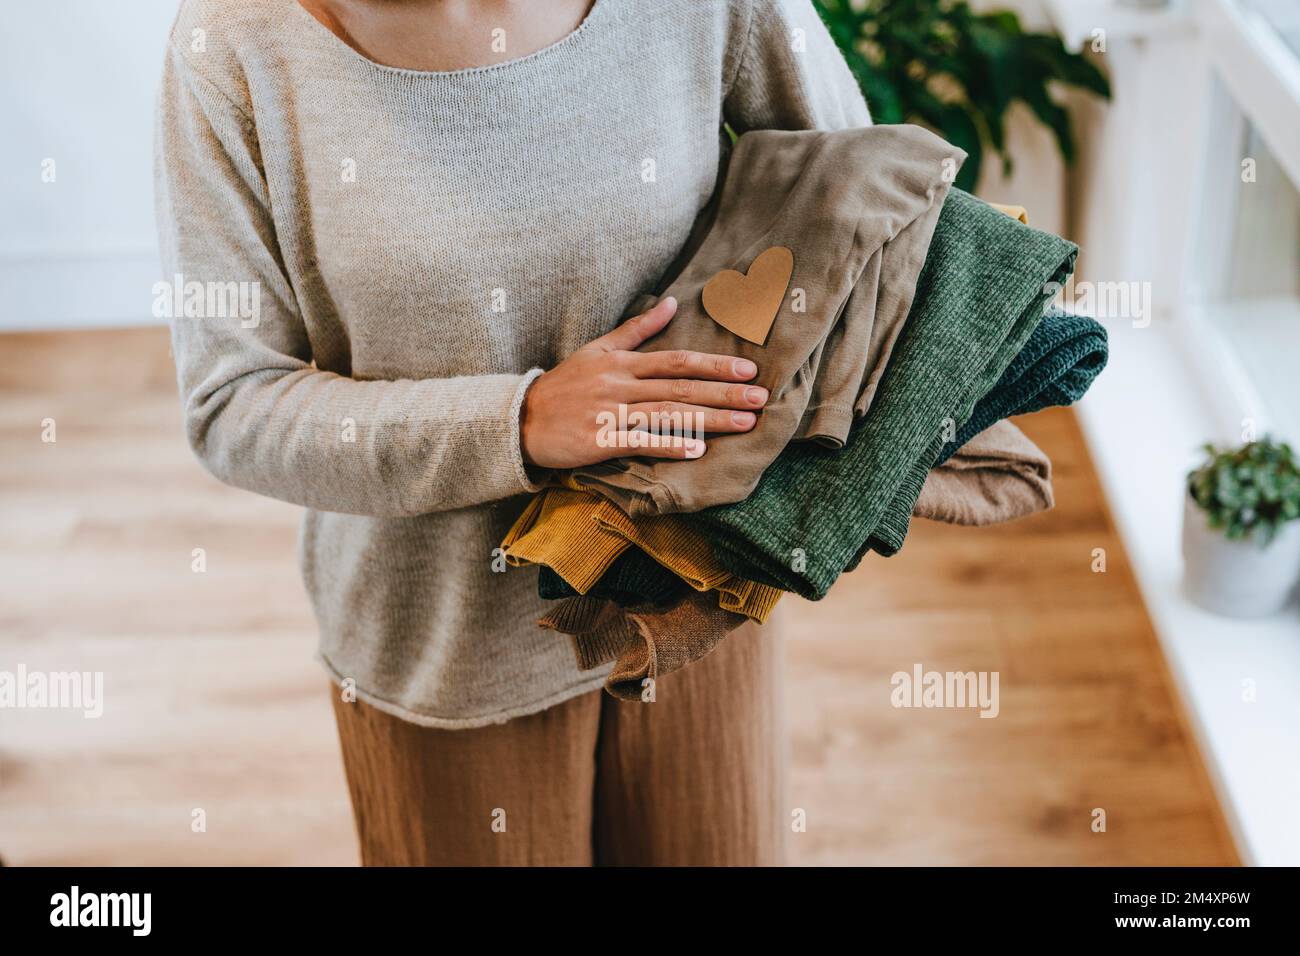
column 695, row 778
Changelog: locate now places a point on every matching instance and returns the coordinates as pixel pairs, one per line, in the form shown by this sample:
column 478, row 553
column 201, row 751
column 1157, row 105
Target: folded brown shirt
column 645, row 643
column 999, row 475
column 857, row 209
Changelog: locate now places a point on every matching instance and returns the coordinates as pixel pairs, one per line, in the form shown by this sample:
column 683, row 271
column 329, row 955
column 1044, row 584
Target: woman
column 443, row 206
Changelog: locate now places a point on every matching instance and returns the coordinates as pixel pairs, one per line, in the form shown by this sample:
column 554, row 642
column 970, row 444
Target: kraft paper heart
column 747, row 304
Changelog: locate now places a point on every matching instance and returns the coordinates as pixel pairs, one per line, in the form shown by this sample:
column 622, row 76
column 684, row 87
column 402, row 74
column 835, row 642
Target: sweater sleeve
column 257, row 413
column 790, row 75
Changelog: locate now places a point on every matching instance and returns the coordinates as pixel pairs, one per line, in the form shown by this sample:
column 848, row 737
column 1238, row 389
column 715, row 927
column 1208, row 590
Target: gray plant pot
column 1238, row 578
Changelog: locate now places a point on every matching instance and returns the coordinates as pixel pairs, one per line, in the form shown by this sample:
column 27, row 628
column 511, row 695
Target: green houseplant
column 1241, row 536
column 1248, row 492
column 940, row 64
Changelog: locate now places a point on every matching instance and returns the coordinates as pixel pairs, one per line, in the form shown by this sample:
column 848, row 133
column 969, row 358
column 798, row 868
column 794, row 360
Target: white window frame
column 1254, row 82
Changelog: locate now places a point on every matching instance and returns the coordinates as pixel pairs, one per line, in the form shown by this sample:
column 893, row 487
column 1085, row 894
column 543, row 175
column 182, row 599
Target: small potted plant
column 1241, row 536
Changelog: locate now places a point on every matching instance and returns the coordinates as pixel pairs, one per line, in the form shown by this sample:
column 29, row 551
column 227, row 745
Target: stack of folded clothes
column 924, row 321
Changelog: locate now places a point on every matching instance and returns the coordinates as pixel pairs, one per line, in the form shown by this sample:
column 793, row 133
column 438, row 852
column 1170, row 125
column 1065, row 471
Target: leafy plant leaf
column 1250, row 491
column 940, row 64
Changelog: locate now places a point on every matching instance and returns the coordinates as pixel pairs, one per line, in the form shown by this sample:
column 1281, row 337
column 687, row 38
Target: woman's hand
column 561, row 423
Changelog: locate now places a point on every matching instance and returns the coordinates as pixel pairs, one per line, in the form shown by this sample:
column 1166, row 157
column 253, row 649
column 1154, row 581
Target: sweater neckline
column 569, row 39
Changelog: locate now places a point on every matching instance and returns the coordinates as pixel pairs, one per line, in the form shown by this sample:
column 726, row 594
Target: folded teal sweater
column 817, row 511
column 1056, row 366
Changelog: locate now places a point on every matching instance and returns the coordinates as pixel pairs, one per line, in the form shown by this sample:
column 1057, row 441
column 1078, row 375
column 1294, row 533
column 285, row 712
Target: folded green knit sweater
column 1057, row 365
column 986, row 285
column 817, row 511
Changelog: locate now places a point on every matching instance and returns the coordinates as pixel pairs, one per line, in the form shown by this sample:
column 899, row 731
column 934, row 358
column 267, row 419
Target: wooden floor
column 214, row 701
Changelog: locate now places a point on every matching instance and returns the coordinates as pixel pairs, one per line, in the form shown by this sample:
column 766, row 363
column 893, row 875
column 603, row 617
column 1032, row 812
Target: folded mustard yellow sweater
column 579, row 534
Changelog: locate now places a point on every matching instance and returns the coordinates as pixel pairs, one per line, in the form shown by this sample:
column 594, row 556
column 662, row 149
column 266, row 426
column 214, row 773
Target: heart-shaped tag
column 747, row 304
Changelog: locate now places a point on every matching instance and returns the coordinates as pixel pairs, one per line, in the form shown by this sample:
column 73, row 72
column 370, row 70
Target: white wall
column 77, row 85
column 1038, row 179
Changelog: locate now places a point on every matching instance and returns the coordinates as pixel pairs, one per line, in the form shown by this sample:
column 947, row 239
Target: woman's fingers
column 668, row 418
column 666, row 401
column 681, row 363
column 637, row 329
column 651, row 445
column 694, row 391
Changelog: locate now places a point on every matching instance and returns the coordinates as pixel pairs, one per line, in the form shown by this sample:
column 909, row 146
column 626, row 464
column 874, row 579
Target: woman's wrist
column 531, row 476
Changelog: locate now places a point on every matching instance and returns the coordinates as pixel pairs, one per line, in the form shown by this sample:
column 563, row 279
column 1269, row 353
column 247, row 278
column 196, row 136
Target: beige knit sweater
column 375, row 262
